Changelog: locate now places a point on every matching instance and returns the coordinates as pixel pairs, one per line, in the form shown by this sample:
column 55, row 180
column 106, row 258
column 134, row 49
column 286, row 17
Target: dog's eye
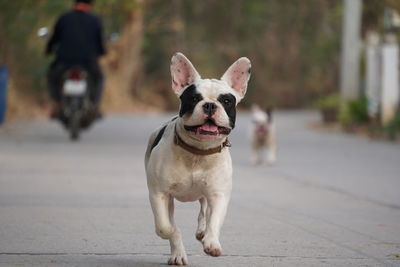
column 196, row 98
column 227, row 101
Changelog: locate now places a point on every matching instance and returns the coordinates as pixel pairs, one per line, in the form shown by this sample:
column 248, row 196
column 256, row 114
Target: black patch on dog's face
column 228, row 101
column 189, row 99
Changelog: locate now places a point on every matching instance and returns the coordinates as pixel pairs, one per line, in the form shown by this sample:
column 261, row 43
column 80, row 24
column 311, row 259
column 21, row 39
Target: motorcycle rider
column 77, row 40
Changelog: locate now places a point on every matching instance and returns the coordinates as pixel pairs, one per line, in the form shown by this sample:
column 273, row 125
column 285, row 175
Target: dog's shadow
column 115, row 261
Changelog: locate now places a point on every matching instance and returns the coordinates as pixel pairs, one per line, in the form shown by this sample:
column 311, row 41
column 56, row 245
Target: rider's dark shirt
column 77, row 39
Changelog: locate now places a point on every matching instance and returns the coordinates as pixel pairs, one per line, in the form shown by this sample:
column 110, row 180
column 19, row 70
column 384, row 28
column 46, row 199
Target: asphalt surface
column 331, row 200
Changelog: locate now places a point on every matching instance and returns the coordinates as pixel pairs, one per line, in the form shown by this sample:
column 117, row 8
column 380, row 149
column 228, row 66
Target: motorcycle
column 76, row 111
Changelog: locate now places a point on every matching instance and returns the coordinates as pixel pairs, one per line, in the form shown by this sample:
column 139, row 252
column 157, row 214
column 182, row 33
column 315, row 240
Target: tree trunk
column 122, row 66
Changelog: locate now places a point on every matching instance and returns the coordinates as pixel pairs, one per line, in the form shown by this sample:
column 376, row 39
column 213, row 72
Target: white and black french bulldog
column 188, row 157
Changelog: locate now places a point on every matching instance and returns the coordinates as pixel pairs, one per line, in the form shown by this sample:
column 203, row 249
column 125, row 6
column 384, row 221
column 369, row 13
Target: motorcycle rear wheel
column 74, row 126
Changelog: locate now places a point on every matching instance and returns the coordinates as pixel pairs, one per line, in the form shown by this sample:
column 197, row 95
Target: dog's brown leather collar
column 194, row 150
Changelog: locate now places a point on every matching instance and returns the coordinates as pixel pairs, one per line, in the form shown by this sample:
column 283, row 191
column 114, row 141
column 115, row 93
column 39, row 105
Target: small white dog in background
column 262, row 136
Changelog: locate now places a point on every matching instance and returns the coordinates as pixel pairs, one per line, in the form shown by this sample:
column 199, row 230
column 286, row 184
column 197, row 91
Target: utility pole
column 351, row 46
column 390, row 78
column 373, row 74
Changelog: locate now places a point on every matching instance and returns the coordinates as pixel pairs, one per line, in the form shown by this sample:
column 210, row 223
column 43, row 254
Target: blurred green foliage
column 331, row 101
column 355, row 112
column 114, row 13
column 294, row 46
column 393, row 128
column 20, row 47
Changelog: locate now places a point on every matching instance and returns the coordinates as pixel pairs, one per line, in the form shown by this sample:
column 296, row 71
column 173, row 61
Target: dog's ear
column 182, row 73
column 237, row 76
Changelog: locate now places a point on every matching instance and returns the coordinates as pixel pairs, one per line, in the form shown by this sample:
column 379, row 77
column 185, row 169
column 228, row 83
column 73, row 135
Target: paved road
column 332, row 199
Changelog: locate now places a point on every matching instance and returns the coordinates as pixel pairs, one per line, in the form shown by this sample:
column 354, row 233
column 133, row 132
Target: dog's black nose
column 209, row 108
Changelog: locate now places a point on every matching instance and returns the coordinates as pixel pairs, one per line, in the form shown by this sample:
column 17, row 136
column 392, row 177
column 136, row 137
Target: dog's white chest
column 188, row 186
column 189, row 182
column 189, row 178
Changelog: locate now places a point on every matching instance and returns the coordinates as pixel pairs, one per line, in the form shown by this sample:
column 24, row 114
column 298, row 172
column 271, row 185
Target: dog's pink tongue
column 209, row 127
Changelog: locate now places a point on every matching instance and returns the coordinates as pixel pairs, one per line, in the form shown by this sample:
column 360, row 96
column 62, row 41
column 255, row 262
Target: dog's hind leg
column 255, row 155
column 271, row 154
column 201, row 227
column 163, row 209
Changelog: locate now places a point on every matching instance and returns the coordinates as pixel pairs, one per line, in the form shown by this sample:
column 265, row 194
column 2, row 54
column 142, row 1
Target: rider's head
column 84, row 1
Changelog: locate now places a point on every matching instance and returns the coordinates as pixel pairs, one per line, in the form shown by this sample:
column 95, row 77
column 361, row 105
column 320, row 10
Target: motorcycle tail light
column 75, row 75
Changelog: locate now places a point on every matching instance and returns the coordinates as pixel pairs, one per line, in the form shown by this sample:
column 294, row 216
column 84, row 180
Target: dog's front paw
column 271, row 161
column 178, row 258
column 255, row 161
column 212, row 247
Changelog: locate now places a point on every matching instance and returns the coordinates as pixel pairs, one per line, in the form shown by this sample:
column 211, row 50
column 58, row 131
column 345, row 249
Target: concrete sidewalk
column 331, row 200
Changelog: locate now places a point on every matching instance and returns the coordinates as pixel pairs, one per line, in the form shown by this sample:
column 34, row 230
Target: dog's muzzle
column 209, row 127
